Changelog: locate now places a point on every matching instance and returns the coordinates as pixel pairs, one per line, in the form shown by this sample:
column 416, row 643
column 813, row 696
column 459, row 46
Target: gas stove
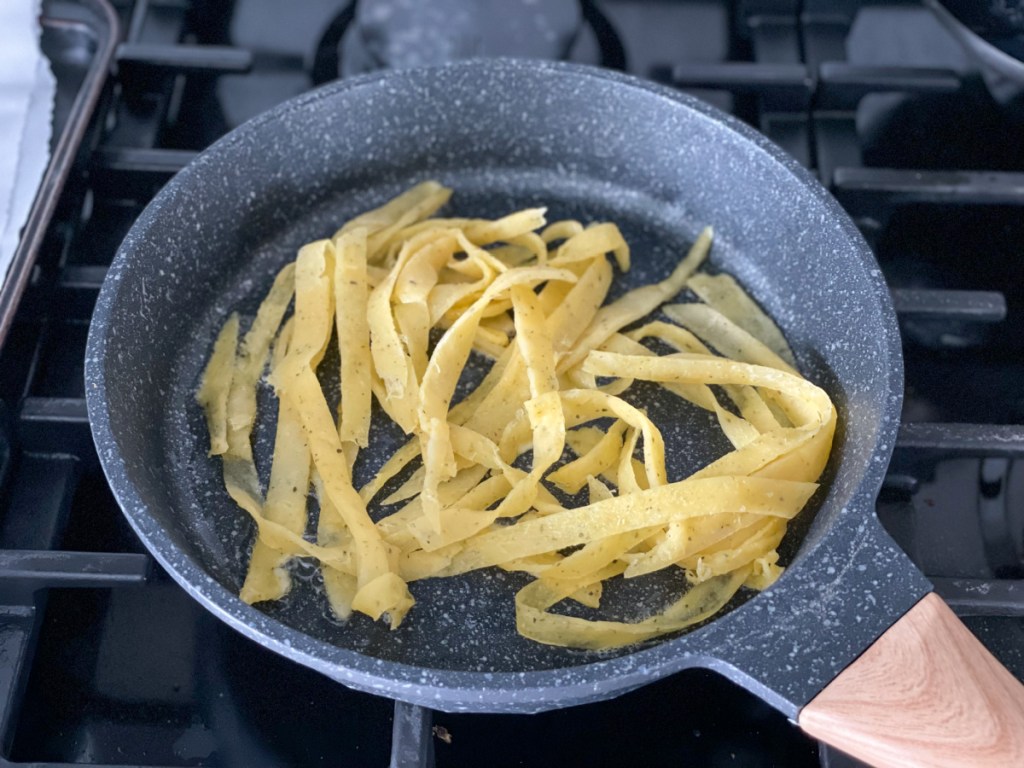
column 104, row 660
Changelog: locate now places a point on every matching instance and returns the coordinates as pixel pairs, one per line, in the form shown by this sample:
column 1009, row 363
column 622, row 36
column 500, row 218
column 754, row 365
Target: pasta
column 407, row 299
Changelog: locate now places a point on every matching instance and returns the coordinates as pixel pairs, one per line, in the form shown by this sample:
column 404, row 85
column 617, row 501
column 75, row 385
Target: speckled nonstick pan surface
column 588, row 144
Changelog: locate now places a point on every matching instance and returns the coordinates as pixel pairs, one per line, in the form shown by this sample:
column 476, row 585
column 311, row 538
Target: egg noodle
column 408, row 298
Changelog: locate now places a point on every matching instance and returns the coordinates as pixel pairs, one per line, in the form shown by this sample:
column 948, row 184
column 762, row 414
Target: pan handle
column 926, row 693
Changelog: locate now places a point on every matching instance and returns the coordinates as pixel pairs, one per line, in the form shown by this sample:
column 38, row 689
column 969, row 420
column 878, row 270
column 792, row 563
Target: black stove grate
column 104, row 660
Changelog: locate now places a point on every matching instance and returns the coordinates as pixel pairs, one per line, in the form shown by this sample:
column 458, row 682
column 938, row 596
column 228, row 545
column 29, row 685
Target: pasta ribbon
column 549, row 465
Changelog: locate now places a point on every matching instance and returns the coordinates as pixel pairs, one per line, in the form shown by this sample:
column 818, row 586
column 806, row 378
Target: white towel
column 27, row 89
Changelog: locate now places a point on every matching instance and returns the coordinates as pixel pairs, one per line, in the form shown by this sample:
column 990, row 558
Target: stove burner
column 408, row 33
column 369, row 35
column 993, row 33
column 1000, row 22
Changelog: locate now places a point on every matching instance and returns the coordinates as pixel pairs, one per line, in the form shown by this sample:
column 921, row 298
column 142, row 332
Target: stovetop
column 104, row 660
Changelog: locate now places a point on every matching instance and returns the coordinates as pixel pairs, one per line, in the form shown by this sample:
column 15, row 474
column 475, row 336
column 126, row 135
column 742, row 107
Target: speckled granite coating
column 505, row 134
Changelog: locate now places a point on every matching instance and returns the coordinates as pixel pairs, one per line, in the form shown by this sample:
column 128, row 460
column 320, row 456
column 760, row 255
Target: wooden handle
column 926, row 693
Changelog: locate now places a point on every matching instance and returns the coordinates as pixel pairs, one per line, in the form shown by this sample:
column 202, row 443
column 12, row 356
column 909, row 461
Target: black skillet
column 590, row 145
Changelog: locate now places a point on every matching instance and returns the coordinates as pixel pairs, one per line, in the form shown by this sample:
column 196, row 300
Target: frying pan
column 849, row 641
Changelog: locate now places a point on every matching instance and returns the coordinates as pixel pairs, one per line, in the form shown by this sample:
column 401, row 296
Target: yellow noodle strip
column 442, row 375
column 560, row 230
column 596, row 460
column 656, row 506
column 284, row 339
column 285, row 505
column 216, row 385
column 391, row 359
column 339, row 585
column 725, row 336
column 724, row 294
column 750, row 403
column 252, row 353
column 534, row 621
column 351, row 294
column 397, row 527
column 637, row 303
column 383, row 223
column 739, row 549
column 481, row 231
column 296, row 382
column 598, row 239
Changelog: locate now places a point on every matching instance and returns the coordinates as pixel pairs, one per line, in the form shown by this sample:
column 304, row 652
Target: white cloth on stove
column 27, row 90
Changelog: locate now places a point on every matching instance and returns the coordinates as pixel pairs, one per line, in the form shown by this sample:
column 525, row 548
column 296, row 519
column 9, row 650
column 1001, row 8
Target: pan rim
column 460, row 689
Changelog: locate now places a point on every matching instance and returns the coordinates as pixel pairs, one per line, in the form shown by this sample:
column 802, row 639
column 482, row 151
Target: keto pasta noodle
column 407, row 299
